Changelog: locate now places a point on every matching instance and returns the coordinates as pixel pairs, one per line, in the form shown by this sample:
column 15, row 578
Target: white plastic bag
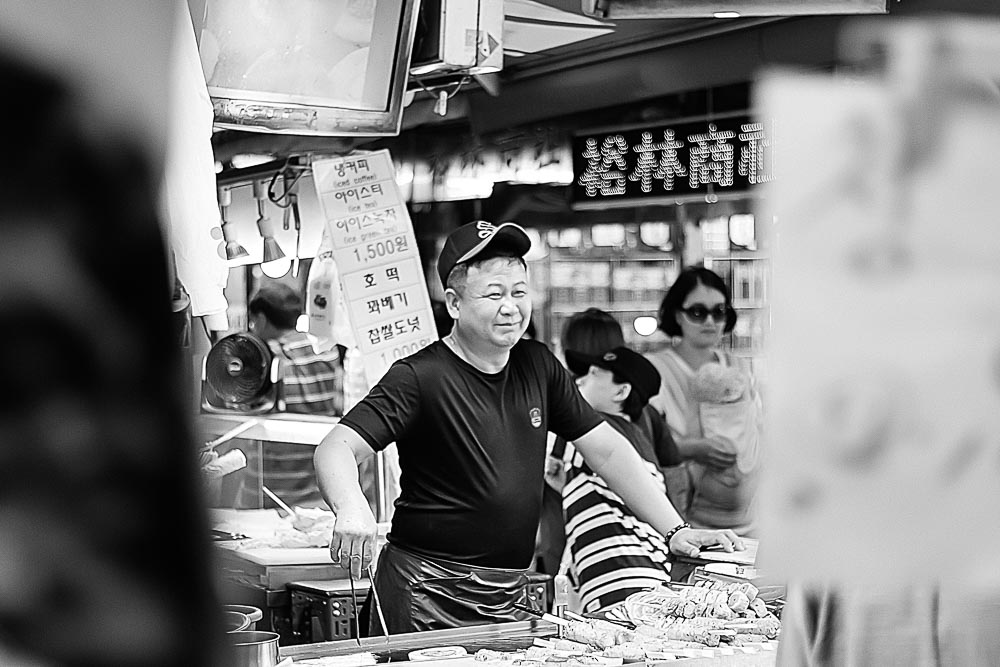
column 322, row 295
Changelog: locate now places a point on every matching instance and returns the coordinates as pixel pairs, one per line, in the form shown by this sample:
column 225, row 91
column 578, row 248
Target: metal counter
column 496, row 636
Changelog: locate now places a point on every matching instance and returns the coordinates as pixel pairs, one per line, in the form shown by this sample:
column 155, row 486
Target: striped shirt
column 614, row 554
column 312, row 383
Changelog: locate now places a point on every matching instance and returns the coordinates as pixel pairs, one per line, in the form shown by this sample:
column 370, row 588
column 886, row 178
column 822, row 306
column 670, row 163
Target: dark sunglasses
column 699, row 313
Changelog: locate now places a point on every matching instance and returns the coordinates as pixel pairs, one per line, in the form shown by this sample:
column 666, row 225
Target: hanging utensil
column 293, row 204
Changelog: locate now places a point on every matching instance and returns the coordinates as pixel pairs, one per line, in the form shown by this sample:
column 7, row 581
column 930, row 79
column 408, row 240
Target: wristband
column 673, row 531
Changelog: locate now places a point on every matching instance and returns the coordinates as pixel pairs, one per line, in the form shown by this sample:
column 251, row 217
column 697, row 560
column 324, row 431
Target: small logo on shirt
column 536, row 417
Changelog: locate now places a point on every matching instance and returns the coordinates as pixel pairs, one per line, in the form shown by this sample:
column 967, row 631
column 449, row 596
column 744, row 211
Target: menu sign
column 376, row 254
column 670, row 161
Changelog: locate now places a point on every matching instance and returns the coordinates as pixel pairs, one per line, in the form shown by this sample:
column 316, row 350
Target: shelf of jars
column 746, row 273
column 623, row 269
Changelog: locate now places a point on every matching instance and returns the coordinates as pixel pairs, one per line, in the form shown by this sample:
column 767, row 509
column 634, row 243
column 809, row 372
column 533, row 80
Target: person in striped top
column 312, row 383
column 612, row 552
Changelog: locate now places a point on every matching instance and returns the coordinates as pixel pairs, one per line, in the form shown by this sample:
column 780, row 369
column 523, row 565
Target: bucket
column 253, row 613
column 254, row 648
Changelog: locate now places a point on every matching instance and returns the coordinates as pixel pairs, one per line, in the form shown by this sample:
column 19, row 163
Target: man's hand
column 353, row 542
column 712, row 453
column 689, row 541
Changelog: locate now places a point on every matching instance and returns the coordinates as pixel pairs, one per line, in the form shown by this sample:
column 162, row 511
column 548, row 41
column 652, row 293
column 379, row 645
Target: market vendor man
column 469, row 414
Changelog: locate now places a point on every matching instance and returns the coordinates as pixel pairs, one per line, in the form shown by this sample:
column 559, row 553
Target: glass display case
column 244, row 488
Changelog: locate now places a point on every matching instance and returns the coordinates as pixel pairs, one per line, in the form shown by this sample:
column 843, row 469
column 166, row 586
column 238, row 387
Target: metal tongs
column 357, row 609
column 375, row 603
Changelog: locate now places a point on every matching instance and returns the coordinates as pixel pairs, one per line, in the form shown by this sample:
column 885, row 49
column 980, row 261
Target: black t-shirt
column 471, row 448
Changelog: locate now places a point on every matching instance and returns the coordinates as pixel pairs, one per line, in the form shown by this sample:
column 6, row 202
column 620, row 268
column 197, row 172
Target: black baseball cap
column 623, row 362
column 473, row 238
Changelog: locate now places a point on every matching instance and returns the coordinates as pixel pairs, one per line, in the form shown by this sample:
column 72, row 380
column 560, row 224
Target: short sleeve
column 570, row 414
column 389, row 409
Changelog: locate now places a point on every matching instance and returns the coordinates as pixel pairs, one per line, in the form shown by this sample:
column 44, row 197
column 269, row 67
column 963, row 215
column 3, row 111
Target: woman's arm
column 710, row 452
column 672, row 447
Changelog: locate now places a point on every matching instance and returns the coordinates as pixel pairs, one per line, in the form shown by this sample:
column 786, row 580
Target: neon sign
column 671, row 160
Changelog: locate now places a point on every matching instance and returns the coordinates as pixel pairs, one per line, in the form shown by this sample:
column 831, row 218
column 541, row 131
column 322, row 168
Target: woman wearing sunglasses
column 710, row 404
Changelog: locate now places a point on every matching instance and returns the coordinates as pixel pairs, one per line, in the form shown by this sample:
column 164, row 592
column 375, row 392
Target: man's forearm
column 626, row 475
column 337, row 474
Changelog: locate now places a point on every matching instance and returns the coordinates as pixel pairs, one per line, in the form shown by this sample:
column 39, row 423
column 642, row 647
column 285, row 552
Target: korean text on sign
column 368, row 226
column 376, row 255
column 362, row 285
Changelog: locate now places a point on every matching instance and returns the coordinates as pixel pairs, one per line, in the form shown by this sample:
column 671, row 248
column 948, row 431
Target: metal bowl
column 255, row 614
column 255, row 649
column 235, row 621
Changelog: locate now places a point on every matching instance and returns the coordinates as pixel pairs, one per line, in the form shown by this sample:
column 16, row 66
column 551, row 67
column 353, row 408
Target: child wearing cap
column 612, row 552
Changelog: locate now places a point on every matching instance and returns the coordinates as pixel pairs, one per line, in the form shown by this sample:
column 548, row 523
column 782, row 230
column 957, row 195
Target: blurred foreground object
column 914, row 624
column 880, row 489
column 104, row 554
column 190, row 207
column 885, row 411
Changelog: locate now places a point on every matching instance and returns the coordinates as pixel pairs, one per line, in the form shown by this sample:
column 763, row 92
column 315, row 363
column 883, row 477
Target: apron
column 418, row 593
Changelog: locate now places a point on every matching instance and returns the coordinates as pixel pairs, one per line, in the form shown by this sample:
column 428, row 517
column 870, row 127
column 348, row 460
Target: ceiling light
column 232, row 248
column 272, row 251
column 726, row 15
column 645, row 325
column 276, row 268
column 244, row 160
